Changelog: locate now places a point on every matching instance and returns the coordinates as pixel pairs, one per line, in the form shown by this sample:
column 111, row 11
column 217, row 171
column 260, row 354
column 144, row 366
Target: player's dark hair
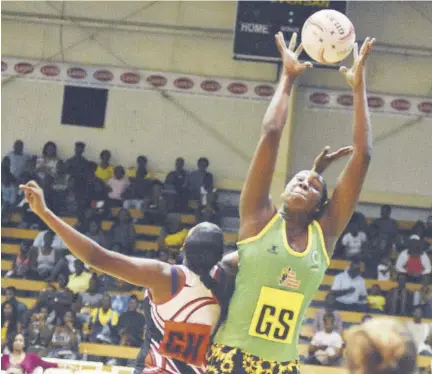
column 203, row 249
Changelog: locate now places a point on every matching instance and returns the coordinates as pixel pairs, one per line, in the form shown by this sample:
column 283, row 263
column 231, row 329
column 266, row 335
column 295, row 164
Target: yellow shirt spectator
column 176, row 240
column 376, row 302
column 132, row 172
column 104, row 317
column 105, row 173
column 79, row 283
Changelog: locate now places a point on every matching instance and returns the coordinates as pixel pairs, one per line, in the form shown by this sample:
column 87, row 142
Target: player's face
column 304, row 192
column 328, row 325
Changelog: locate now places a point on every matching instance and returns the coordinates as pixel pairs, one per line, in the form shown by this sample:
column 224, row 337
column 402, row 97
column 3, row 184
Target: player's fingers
column 282, row 39
column 355, row 51
column 365, row 45
column 299, row 50
column 343, row 152
column 293, row 42
column 308, row 64
column 343, row 69
column 33, row 184
column 278, row 43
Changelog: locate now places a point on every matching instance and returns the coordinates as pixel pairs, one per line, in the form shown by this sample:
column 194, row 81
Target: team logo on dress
column 273, row 250
column 289, row 279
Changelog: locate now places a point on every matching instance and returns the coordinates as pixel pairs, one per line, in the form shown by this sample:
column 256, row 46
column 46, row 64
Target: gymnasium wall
column 138, row 122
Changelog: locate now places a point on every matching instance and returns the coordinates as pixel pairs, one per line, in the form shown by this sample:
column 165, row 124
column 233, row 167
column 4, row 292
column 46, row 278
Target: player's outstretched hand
column 292, row 66
column 355, row 74
column 324, row 159
column 35, row 197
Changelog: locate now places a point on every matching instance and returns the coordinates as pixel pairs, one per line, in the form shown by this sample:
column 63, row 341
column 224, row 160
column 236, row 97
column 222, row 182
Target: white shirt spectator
column 403, row 258
column 57, row 242
column 343, row 281
column 420, row 332
column 331, row 340
column 353, row 244
column 384, row 273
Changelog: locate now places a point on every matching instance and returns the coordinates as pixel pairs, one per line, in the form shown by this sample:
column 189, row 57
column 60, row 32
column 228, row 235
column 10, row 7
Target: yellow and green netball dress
column 274, row 287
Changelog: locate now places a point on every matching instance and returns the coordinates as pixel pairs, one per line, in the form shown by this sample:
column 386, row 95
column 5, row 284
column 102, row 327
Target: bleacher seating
column 147, row 235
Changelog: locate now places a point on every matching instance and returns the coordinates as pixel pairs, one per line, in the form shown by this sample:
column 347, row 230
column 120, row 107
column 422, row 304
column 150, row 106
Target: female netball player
column 380, row 346
column 182, row 302
column 283, row 254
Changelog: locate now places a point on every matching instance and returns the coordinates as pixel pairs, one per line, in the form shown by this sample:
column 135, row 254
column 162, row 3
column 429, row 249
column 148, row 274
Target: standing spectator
column 9, row 190
column 198, row 177
column 18, row 159
column 349, row 287
column 387, row 226
column 376, row 300
column 329, row 308
column 77, row 165
column 20, row 308
column 117, row 186
column 176, row 184
column 123, row 231
column 326, row 345
column 399, row 300
column 47, row 163
column 21, row 362
column 105, row 170
column 353, row 241
column 21, row 266
column 140, row 183
column 414, row 261
column 96, row 189
column 103, row 323
column 65, row 339
column 423, row 297
column 140, row 171
column 80, row 280
column 421, row 331
column 155, row 208
column 132, row 323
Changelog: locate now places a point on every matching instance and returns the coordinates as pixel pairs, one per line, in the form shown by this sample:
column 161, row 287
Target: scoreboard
column 258, row 21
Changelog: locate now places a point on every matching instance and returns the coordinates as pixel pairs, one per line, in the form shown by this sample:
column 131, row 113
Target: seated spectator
column 21, row 266
column 80, row 280
column 354, row 241
column 84, row 219
column 62, row 178
column 155, row 208
column 9, row 190
column 132, row 323
column 376, row 300
column 57, row 243
column 29, row 172
column 20, row 361
column 140, row 171
column 326, row 345
column 419, row 229
column 47, row 163
column 387, row 226
column 10, row 324
column 96, row 233
column 103, row 323
column 20, row 308
column 423, row 297
column 117, row 186
column 414, row 261
column 384, row 269
column 65, row 339
column 105, row 171
column 176, row 183
column 163, row 255
column 399, row 300
column 70, row 202
column 428, row 231
column 349, row 288
column 198, row 177
column 39, row 331
column 123, row 231
column 208, row 212
column 77, row 165
column 173, row 234
column 421, row 332
column 89, row 300
column 44, row 259
column 329, row 308
column 18, row 159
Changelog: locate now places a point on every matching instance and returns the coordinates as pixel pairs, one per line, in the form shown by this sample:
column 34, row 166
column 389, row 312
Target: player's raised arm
column 256, row 208
column 141, row 272
column 345, row 196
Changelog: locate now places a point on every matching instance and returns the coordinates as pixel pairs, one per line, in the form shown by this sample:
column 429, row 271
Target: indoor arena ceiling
column 402, row 62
